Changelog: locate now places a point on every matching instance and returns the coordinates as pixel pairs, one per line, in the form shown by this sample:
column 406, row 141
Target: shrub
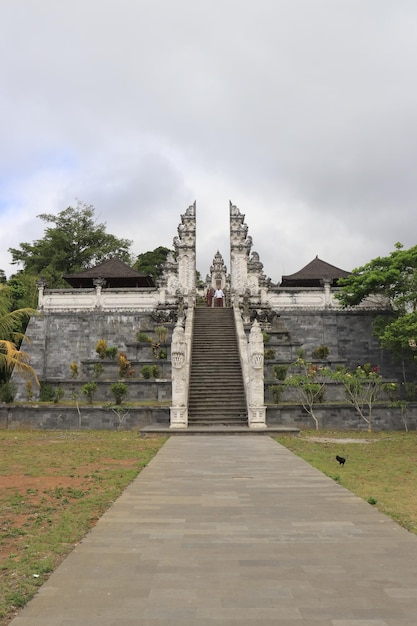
column 46, row 392
column 321, row 352
column 125, row 367
column 161, row 332
column 269, row 354
column 150, row 371
column 101, row 347
column 119, row 391
column 142, row 337
column 74, row 369
column 266, row 337
column 280, row 371
column 8, row 392
column 98, row 369
column 89, row 390
column 162, row 354
column 111, row 352
column 276, row 392
column 146, row 371
column 58, row 394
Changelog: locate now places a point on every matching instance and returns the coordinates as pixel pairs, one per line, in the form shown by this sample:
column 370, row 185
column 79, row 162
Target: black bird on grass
column 341, row 459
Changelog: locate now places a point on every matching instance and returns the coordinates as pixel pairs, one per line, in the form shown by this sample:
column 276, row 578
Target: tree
column 307, row 382
column 74, row 242
column 152, row 262
column 11, row 358
column 362, row 387
column 393, row 278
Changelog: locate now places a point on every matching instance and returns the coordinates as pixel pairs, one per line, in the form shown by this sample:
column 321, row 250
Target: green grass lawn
column 382, row 471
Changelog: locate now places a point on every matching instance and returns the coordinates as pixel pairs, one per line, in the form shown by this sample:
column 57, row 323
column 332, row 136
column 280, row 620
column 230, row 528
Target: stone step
column 216, row 393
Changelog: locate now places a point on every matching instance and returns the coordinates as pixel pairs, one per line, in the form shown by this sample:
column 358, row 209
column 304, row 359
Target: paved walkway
column 231, row 530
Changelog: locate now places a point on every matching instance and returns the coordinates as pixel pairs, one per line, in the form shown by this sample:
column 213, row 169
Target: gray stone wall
column 341, row 417
column 88, row 418
column 348, row 334
column 58, row 339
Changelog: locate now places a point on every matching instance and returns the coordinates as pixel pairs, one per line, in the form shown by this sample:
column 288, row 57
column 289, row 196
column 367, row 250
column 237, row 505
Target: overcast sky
column 302, row 112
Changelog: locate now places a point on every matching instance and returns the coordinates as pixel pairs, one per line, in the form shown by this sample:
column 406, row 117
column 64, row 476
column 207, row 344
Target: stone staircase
column 216, row 392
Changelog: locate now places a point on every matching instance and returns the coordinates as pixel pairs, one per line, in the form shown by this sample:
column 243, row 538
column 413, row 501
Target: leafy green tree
column 11, row 358
column 23, row 291
column 394, row 278
column 73, row 241
column 152, row 262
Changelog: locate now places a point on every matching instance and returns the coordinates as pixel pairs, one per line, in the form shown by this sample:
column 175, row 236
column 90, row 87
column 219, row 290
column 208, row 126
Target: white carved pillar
column 98, row 283
column 240, row 245
column 179, row 410
column 41, row 284
column 327, row 283
column 185, row 247
column 257, row 409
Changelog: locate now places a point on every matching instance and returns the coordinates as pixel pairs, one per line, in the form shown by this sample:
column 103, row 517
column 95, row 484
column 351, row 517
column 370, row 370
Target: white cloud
column 302, row 112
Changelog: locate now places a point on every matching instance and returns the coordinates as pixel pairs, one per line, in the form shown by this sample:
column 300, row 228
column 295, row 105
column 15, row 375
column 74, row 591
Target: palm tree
column 10, row 356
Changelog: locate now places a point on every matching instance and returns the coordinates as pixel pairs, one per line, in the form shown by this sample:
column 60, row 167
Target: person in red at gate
column 209, row 297
column 218, row 297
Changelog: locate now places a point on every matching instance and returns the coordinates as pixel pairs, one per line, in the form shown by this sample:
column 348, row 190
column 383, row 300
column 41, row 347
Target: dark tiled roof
column 313, row 273
column 115, row 272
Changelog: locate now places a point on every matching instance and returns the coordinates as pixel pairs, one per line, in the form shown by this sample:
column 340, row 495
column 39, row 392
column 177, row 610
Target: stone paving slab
column 234, row 531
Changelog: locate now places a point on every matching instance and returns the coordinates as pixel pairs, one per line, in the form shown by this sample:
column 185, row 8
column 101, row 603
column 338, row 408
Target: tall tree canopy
column 395, row 278
column 73, row 242
column 152, row 262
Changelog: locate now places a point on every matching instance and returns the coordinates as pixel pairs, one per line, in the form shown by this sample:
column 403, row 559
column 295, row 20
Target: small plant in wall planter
column 59, row 394
column 150, row 371
column 321, row 353
column 74, row 369
column 98, row 369
column 277, row 391
column 280, row 371
column 89, row 389
column 125, row 367
column 266, row 337
column 111, row 352
column 101, row 347
column 162, row 354
column 269, row 354
column 142, row 337
column 162, row 333
column 119, row 391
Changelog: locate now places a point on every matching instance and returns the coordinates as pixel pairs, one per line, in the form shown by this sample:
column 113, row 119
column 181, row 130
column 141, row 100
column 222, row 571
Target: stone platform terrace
column 230, row 530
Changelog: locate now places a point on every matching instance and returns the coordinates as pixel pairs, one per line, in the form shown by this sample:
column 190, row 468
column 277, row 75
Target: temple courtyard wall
column 59, row 338
column 330, row 417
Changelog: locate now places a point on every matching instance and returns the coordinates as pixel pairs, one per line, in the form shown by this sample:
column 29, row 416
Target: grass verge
column 380, row 468
column 54, row 486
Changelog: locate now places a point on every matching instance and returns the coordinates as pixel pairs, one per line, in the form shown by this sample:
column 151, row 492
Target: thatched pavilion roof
column 313, row 274
column 114, row 272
